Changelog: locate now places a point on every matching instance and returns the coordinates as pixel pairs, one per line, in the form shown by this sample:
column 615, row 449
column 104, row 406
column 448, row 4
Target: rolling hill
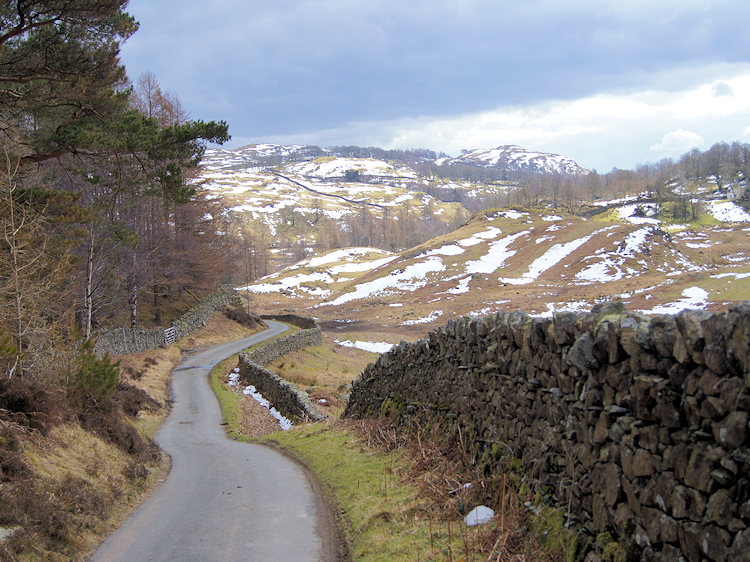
column 534, row 258
column 523, row 259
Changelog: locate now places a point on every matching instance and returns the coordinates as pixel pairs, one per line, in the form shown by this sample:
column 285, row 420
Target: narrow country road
column 222, row 500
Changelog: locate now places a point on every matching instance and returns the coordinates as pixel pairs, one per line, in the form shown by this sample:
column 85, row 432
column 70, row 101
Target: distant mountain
column 517, row 159
column 509, row 158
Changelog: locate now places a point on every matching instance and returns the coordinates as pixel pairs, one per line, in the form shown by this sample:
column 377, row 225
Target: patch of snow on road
column 371, row 346
column 496, row 256
column 728, row 211
column 692, row 297
column 410, row 278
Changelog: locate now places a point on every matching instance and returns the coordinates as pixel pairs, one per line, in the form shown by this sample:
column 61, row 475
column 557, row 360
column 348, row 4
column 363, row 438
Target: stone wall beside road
column 121, row 341
column 285, row 396
column 636, row 425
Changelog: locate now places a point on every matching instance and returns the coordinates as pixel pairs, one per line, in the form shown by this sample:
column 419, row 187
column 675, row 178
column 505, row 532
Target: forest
column 97, row 213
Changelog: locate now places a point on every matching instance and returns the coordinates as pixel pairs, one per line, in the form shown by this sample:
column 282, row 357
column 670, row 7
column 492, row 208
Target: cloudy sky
column 607, row 83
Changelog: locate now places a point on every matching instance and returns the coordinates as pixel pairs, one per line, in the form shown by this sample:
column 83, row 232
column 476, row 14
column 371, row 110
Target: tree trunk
column 88, row 297
column 157, row 311
column 133, row 294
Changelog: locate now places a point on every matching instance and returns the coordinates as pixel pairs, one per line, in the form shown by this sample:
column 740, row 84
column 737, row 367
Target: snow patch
column 550, row 258
column 728, row 211
column 371, row 346
column 426, row 320
column 411, row 278
column 692, row 297
column 496, row 256
column 479, row 237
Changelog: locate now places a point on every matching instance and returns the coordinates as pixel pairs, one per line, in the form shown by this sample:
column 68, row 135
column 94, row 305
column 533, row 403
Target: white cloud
column 601, row 131
column 679, row 140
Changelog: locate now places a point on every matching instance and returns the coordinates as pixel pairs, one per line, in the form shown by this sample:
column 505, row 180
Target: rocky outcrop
column 637, row 425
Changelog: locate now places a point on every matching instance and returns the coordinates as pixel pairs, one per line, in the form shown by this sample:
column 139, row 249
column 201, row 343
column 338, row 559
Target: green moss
column 392, row 408
column 612, row 550
column 549, row 524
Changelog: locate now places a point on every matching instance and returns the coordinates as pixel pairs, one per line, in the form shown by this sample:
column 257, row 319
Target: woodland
column 96, row 211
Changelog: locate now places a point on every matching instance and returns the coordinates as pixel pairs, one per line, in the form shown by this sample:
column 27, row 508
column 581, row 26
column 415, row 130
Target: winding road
column 222, row 500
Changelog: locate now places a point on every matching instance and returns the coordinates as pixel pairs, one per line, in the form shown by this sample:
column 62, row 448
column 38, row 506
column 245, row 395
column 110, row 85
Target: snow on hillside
column 496, row 255
column 728, row 211
column 411, row 278
column 550, row 258
column 498, row 259
column 314, row 276
column 338, row 167
column 516, row 158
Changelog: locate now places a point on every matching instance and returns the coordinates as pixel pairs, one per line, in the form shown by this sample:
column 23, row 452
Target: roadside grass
column 66, row 488
column 229, row 398
column 405, row 498
column 379, row 512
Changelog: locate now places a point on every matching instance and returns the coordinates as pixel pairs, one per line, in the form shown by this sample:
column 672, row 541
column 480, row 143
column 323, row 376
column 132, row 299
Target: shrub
column 95, row 377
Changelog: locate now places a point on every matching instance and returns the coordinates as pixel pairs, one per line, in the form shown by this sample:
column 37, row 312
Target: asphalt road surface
column 222, row 500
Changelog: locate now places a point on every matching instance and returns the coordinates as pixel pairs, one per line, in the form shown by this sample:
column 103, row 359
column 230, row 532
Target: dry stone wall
column 637, row 425
column 310, row 334
column 285, row 396
column 121, row 341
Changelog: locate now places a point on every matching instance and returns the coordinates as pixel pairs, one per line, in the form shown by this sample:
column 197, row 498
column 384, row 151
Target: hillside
column 294, row 200
column 525, row 259
column 517, row 159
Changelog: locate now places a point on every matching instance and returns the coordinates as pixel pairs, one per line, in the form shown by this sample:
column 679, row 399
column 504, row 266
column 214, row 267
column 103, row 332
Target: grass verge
column 380, row 513
column 229, row 400
column 401, row 496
